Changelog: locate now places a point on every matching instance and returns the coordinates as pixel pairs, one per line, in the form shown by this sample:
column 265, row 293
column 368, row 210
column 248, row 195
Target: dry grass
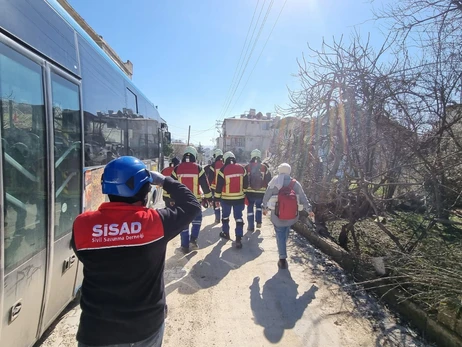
column 431, row 274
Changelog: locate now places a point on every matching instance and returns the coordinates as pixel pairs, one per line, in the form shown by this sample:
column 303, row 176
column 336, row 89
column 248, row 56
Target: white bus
column 66, row 110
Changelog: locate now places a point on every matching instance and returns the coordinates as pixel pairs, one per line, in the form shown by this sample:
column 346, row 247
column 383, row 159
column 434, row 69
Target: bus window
column 67, row 134
column 132, row 105
column 24, row 157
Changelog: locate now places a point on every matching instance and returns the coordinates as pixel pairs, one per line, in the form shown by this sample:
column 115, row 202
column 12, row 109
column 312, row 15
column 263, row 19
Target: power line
column 261, row 52
column 241, row 68
column 251, row 52
column 239, row 61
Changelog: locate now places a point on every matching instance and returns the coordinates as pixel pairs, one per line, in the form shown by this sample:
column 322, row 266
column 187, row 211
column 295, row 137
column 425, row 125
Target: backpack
column 287, row 204
column 255, row 177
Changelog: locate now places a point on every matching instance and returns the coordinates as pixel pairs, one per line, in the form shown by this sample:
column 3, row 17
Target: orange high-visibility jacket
column 214, row 170
column 265, row 174
column 192, row 175
column 231, row 182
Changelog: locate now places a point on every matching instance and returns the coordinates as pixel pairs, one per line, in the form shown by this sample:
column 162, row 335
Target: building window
column 239, row 141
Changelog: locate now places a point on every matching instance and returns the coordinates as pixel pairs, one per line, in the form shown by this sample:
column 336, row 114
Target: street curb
column 428, row 327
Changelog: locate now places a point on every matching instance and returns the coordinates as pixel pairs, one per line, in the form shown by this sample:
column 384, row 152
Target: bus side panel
column 36, row 23
column 23, row 291
column 25, row 192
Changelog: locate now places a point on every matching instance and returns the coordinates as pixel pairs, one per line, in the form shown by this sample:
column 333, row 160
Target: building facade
column 245, row 133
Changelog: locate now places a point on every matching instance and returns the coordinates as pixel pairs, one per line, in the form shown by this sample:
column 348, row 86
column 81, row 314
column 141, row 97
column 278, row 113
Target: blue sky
column 185, row 52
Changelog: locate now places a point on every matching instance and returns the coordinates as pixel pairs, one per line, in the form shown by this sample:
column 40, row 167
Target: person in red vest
column 231, row 183
column 259, row 177
column 167, row 172
column 213, row 176
column 122, row 247
column 192, row 176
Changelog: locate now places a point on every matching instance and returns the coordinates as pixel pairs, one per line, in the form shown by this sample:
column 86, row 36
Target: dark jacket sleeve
column 204, row 182
column 245, row 183
column 267, row 177
column 220, row 183
column 176, row 218
column 174, row 175
column 211, row 174
column 208, row 173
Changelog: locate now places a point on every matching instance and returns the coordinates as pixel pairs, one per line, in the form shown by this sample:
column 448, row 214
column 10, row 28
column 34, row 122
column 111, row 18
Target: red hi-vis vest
column 216, row 166
column 167, row 172
column 117, row 224
column 188, row 174
column 233, row 188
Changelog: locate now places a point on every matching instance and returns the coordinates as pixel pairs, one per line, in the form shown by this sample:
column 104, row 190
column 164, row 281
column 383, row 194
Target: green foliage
column 167, row 149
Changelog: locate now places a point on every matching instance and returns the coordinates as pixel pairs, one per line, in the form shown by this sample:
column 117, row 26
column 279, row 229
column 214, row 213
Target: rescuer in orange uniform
column 122, row 246
column 213, row 175
column 192, row 176
column 231, row 183
column 167, row 172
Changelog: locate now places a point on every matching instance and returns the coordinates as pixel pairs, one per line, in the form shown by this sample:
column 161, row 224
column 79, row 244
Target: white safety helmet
column 191, row 151
column 217, row 152
column 228, row 155
column 256, row 153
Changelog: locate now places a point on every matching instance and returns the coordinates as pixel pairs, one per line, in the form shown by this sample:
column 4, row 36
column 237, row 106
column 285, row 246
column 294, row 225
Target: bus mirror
column 168, row 137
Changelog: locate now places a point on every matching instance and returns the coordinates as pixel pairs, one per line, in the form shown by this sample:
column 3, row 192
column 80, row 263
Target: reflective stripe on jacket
column 231, row 182
column 215, row 169
column 192, row 175
column 266, row 178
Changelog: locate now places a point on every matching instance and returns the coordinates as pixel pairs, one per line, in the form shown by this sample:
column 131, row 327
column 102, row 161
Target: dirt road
column 222, row 296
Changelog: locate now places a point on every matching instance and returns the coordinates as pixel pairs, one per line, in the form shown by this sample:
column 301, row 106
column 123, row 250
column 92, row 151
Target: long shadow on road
column 217, row 265
column 277, row 308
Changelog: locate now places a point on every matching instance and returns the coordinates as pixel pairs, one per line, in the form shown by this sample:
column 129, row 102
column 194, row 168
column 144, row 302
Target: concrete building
column 126, row 67
column 244, row 133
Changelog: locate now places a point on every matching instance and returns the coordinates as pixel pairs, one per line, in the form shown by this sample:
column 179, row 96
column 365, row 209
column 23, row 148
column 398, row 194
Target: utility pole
column 224, row 137
column 189, row 133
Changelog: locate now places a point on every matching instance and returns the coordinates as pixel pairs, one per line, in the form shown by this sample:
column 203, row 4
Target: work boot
column 258, row 225
column 238, row 242
column 217, row 221
column 185, row 250
column 225, row 235
column 193, row 243
column 282, row 264
column 249, row 229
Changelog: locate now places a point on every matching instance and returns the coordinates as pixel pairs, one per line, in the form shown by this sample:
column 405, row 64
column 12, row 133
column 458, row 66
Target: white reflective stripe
column 250, row 214
column 217, row 208
column 234, row 175
column 239, row 220
column 121, row 246
column 227, row 218
column 258, row 209
column 188, row 175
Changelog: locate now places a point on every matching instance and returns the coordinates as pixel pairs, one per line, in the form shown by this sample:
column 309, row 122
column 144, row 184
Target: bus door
column 64, row 106
column 24, row 193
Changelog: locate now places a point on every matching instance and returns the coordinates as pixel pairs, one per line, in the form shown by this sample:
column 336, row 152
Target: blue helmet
column 125, row 176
